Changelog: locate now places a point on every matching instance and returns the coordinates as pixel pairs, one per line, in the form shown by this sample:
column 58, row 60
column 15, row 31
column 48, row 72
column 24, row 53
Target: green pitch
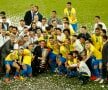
column 51, row 82
column 86, row 9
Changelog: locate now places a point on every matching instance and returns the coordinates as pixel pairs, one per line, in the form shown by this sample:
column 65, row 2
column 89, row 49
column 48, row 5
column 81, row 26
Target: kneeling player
column 10, row 61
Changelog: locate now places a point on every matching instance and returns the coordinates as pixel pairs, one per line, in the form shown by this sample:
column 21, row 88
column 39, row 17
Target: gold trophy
column 44, row 56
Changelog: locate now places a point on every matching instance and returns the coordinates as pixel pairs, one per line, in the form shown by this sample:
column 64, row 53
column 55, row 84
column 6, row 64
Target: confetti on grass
column 50, row 82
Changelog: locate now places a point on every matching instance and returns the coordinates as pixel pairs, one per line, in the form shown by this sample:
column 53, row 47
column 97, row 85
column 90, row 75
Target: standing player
column 70, row 12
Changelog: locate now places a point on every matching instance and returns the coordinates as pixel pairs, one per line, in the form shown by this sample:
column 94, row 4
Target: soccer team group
column 39, row 45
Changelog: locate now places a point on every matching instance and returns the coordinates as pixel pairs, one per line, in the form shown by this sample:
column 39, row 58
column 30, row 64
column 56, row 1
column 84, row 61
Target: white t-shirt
column 103, row 26
column 16, row 46
column 32, row 39
column 60, row 37
column 84, row 68
column 43, row 27
column 78, row 46
column 20, row 29
column 38, row 24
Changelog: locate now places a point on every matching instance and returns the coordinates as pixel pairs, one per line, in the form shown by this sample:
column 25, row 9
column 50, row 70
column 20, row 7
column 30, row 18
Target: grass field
column 51, row 82
column 86, row 10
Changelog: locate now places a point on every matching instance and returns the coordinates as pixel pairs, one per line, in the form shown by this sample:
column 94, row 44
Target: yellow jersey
column 71, row 62
column 95, row 52
column 72, row 32
column 72, row 46
column 12, row 56
column 27, row 57
column 64, row 51
column 49, row 45
column 71, row 15
column 97, row 41
column 56, row 50
column 41, row 38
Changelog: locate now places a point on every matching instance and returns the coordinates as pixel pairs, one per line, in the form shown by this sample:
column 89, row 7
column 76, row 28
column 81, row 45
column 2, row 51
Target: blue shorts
column 74, row 26
column 62, row 59
column 29, row 69
column 9, row 63
column 97, row 62
column 52, row 56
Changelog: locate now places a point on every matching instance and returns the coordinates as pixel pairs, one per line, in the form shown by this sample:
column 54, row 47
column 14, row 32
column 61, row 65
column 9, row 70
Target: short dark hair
column 25, row 35
column 11, row 26
column 22, row 20
column 66, row 23
column 97, row 28
column 51, row 37
column 42, row 41
column 70, row 53
column 44, row 18
column 54, row 11
column 97, row 17
column 59, row 29
column 104, row 31
column 75, row 36
column 31, row 44
column 25, row 27
column 33, row 22
column 66, row 18
column 79, row 58
column 105, row 37
column 3, row 13
column 83, row 37
column 100, row 26
column 15, row 27
column 84, row 27
column 36, row 6
column 3, row 17
column 38, row 28
column 69, row 3
column 49, row 27
column 53, row 21
column 60, row 54
column 76, row 52
column 68, row 30
column 36, row 42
